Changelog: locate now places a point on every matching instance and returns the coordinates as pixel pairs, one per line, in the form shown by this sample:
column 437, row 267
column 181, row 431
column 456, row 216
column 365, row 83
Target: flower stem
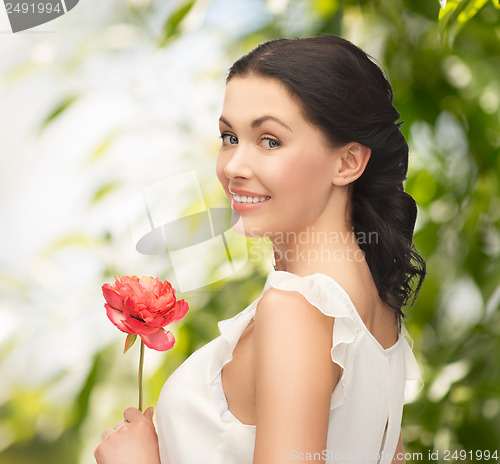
column 141, row 365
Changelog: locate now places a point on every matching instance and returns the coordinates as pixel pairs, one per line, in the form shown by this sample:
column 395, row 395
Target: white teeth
column 245, row 199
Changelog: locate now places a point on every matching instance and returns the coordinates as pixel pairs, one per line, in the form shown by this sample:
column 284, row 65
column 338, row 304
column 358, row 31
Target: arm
column 399, row 455
column 294, row 376
column 132, row 441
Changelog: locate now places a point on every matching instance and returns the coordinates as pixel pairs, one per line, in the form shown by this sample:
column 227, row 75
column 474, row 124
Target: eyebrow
column 257, row 122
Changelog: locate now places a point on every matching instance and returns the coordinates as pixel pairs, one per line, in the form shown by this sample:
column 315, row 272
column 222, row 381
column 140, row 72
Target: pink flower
column 144, row 307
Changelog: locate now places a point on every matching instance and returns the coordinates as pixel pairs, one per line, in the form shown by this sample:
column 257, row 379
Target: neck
column 315, row 249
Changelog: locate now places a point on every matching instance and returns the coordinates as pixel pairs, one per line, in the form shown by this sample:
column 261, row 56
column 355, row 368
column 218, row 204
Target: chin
column 241, row 227
column 248, row 227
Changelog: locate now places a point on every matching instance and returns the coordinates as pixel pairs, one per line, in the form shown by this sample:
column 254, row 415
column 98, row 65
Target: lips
column 246, row 193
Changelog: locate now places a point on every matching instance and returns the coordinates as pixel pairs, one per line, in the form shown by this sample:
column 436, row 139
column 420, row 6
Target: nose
column 238, row 164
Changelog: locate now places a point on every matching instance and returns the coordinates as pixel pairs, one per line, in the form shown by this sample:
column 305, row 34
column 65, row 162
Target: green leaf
column 58, row 110
column 471, row 9
column 496, row 3
column 104, row 145
column 129, row 341
column 82, row 402
column 455, row 16
column 171, row 25
column 104, row 190
column 326, row 8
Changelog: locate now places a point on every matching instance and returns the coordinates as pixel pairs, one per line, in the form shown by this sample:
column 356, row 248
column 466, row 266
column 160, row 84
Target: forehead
column 253, row 96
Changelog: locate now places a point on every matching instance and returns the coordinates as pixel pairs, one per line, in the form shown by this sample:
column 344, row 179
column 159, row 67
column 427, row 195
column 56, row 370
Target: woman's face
column 275, row 167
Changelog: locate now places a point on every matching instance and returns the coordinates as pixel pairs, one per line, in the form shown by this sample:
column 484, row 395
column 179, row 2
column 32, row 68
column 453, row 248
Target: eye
column 268, row 142
column 229, row 139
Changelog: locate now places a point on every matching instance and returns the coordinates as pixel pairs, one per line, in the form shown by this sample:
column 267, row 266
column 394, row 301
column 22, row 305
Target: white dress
column 195, row 426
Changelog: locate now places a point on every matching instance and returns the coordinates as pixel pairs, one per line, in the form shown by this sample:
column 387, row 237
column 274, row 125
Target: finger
column 148, row 414
column 106, row 433
column 119, row 424
column 132, row 415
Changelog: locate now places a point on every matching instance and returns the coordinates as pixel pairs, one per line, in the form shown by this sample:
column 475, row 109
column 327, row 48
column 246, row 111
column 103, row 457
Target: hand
column 131, row 441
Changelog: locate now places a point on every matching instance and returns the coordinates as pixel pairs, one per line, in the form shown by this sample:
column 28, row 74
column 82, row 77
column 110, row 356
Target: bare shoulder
column 296, row 333
column 290, row 307
column 294, row 375
column 285, row 321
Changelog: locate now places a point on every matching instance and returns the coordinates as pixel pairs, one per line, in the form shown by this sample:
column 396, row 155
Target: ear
column 352, row 162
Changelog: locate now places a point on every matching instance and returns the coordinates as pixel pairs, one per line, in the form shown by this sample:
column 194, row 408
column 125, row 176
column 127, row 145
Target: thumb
column 148, row 413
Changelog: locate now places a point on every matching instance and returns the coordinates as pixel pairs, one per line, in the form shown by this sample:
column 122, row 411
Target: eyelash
column 271, row 140
column 224, row 134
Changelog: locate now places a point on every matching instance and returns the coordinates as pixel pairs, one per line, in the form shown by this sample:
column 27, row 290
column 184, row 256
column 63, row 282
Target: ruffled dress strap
column 329, row 297
column 413, row 381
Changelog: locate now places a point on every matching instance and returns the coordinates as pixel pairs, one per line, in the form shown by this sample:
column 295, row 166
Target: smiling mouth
column 248, row 199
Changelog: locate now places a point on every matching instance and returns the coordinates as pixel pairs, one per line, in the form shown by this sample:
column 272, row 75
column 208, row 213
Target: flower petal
column 163, row 303
column 117, row 318
column 112, row 297
column 161, row 340
column 181, row 308
column 129, row 308
column 138, row 327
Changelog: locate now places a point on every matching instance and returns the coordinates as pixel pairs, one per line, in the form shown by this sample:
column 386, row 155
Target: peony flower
column 144, row 307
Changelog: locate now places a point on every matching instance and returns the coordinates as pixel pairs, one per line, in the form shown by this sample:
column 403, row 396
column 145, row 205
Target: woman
column 318, row 368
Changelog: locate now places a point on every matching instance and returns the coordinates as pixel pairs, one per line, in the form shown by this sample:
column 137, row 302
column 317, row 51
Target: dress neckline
column 352, row 308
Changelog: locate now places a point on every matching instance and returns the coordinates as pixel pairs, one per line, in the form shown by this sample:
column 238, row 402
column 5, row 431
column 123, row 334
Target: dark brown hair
column 344, row 93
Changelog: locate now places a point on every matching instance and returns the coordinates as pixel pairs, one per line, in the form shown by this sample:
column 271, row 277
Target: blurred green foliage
column 444, row 65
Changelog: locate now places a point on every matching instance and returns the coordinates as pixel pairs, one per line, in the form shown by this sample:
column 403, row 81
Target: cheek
column 305, row 175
